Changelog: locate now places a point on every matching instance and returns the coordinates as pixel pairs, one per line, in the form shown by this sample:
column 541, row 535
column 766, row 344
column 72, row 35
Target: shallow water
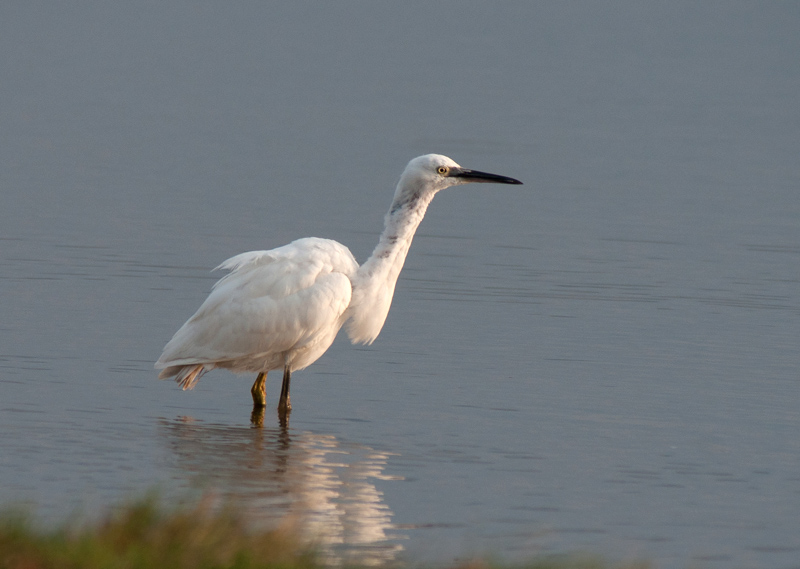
column 603, row 359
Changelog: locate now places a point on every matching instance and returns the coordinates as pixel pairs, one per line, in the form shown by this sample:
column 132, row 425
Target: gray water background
column 604, row 359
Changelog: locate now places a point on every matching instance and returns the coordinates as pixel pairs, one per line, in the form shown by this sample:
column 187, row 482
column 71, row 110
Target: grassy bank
column 145, row 535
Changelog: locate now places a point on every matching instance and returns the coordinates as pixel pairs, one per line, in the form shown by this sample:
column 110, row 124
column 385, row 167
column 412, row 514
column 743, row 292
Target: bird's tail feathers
column 186, row 376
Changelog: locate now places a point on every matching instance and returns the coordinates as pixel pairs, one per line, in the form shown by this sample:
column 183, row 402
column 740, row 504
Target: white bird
column 282, row 309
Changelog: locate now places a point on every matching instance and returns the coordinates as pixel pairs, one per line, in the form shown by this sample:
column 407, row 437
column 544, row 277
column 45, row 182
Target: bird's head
column 428, row 174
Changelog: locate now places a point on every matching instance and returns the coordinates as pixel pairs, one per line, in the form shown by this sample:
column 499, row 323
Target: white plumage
column 282, row 309
column 285, row 303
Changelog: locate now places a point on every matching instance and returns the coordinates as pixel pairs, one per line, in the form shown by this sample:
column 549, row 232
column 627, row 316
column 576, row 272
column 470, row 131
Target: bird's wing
column 270, row 302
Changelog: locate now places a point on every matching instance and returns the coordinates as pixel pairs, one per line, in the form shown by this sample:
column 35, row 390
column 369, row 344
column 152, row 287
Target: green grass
column 145, row 535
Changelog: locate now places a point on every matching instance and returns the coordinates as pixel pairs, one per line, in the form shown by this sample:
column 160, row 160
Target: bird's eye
column 443, row 170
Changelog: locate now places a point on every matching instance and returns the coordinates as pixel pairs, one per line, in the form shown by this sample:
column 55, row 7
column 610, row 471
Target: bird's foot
column 259, row 399
column 257, row 416
column 259, row 391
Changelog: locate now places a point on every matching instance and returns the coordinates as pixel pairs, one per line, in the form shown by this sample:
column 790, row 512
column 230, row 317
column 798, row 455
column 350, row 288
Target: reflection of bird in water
column 323, row 486
column 281, row 309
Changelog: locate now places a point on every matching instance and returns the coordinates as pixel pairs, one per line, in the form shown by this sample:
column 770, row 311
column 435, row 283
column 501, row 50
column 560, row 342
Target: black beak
column 485, row 177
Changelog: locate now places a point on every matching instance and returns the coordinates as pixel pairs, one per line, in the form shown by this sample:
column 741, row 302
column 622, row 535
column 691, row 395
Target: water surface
column 603, row 359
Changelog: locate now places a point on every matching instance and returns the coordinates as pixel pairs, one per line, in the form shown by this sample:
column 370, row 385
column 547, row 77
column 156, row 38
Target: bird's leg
column 284, row 405
column 259, row 390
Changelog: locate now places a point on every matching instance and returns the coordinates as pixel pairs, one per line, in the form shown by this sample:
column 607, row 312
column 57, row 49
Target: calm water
column 604, row 359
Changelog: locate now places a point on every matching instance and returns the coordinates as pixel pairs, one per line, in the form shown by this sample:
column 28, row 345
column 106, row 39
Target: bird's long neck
column 373, row 285
column 400, row 225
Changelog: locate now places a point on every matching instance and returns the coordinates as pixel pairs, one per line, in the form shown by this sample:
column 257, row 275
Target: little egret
column 281, row 309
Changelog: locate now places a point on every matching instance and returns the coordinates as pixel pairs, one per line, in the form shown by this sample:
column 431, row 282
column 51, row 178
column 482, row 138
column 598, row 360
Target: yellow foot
column 257, row 416
column 259, row 390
